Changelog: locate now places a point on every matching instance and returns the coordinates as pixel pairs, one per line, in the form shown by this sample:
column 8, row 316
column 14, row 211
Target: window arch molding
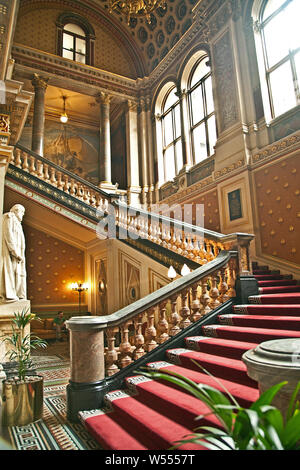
column 72, row 18
column 275, row 67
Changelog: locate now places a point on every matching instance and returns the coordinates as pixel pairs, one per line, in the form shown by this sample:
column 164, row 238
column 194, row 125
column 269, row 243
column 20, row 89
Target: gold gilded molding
column 276, row 148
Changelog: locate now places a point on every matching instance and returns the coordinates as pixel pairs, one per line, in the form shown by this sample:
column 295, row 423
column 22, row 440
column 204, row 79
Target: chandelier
column 136, row 8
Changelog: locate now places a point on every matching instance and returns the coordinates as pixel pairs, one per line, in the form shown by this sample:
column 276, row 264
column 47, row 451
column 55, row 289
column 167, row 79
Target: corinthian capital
column 39, row 82
column 103, row 98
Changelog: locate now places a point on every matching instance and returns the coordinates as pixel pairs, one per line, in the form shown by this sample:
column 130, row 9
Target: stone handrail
column 145, row 324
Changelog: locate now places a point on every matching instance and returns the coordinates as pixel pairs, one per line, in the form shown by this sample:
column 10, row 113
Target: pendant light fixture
column 64, row 117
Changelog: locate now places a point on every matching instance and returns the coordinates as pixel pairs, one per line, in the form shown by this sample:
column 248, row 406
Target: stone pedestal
column 87, row 363
column 273, row 362
column 7, row 311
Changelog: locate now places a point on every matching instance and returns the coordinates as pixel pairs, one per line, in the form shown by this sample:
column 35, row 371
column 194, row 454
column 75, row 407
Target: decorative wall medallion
column 170, row 24
column 181, row 10
column 142, row 34
column 150, row 50
column 160, row 38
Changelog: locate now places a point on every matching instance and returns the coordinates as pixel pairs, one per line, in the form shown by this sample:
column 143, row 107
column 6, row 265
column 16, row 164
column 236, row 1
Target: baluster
column 204, row 299
column 223, row 287
column 184, row 244
column 80, row 192
column 46, row 173
column 125, row 346
column 195, row 306
column 60, row 182
column 209, row 253
column 139, row 340
column 32, row 169
column 174, row 317
column 40, row 169
column 67, row 183
column 72, row 187
column 17, row 159
column 190, row 247
column 231, row 280
column 185, row 310
column 163, row 325
column 111, row 354
column 53, row 177
column 25, row 164
column 178, row 242
column 214, row 292
column 93, row 199
column 203, row 253
column 86, row 195
column 150, row 333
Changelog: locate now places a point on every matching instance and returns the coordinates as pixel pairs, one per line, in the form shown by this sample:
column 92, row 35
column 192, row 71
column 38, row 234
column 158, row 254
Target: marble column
column 40, row 86
column 132, row 152
column 143, row 151
column 186, row 156
column 105, row 148
column 151, row 164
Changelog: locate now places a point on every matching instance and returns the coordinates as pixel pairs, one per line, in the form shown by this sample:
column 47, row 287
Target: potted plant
column 22, row 391
column 262, row 426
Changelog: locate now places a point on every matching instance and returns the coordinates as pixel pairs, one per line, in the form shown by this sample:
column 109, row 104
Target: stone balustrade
column 60, row 178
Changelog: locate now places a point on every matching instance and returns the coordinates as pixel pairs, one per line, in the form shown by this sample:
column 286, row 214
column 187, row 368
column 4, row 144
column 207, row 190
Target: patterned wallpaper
column 51, row 266
column 277, row 192
column 211, row 210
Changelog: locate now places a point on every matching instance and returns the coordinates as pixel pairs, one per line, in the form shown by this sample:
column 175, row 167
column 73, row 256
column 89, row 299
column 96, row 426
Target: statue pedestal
column 273, row 362
column 7, row 310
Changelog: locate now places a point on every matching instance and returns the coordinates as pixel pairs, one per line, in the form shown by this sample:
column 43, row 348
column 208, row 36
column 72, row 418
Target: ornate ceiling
column 166, row 27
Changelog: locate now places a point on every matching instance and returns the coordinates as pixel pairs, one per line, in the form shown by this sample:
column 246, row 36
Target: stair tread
column 163, row 431
column 239, row 391
column 110, row 433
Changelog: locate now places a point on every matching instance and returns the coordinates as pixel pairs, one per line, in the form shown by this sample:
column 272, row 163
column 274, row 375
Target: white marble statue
column 13, row 276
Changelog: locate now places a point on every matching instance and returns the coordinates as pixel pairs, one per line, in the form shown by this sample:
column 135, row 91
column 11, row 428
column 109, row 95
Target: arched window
column 201, row 110
column 278, row 26
column 171, row 135
column 75, row 38
column 74, row 43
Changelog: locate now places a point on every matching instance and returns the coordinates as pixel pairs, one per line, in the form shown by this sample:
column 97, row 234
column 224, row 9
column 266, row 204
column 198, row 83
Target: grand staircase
column 151, row 415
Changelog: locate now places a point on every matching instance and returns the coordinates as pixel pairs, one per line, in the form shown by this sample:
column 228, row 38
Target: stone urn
column 273, row 362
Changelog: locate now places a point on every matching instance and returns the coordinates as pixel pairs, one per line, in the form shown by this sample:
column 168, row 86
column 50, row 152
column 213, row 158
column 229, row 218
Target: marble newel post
column 40, row 86
column 105, row 148
column 87, row 363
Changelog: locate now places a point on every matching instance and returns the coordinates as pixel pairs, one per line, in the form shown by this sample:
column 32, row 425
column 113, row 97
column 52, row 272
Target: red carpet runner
column 149, row 415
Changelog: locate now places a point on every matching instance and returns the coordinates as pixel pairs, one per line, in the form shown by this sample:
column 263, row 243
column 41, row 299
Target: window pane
column 80, row 45
column 277, row 45
column 169, row 163
column 80, row 58
column 168, row 129
column 171, row 99
column 199, row 140
column 197, row 105
column 67, row 54
column 282, row 33
column 201, row 70
column 292, row 13
column 212, row 134
column 272, row 5
column 179, row 159
column 284, row 98
column 177, row 121
column 209, row 96
column 73, row 28
column 68, row 41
